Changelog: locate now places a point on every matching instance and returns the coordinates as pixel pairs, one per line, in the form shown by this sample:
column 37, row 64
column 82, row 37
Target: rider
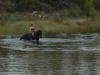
column 32, row 29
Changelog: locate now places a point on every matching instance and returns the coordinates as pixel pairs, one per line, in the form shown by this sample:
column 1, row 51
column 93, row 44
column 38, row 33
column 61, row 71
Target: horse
column 30, row 37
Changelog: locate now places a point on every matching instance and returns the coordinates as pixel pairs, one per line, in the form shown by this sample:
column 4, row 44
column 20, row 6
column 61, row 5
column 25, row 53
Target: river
column 60, row 54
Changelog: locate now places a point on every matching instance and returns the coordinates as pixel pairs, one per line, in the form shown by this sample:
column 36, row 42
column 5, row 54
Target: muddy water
column 75, row 54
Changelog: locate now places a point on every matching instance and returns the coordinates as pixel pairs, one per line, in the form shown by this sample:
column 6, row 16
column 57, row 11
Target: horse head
column 39, row 33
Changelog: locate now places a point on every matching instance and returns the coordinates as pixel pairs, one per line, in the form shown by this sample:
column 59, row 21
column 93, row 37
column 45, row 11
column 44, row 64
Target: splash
column 87, row 42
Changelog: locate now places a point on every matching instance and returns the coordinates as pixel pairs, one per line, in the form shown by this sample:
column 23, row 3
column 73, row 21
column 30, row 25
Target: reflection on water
column 74, row 55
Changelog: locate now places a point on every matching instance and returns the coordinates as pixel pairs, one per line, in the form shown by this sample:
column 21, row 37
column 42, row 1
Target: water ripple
column 81, row 42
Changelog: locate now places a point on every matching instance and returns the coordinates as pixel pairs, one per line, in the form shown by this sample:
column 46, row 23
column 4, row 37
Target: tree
column 89, row 7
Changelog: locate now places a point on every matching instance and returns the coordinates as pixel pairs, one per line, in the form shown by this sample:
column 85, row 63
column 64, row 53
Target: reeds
column 19, row 24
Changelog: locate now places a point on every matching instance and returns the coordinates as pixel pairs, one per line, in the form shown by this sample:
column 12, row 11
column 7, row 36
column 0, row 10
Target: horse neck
column 38, row 33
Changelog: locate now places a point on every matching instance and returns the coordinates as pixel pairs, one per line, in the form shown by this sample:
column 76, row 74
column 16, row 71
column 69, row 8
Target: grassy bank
column 19, row 23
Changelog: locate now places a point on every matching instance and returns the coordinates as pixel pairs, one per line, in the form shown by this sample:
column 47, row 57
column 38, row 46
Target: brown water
column 76, row 54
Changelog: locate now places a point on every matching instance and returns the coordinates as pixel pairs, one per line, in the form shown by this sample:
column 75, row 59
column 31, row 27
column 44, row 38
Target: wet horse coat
column 29, row 36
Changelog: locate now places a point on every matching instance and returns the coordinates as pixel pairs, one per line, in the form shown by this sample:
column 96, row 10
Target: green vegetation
column 50, row 6
column 51, row 16
column 18, row 23
column 89, row 7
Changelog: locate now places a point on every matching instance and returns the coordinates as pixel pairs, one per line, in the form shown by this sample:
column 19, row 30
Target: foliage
column 88, row 6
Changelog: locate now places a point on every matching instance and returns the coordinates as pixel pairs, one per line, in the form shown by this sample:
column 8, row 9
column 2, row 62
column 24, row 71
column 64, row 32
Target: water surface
column 61, row 54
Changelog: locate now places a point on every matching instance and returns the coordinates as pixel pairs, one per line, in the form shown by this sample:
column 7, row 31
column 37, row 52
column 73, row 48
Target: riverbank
column 19, row 24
